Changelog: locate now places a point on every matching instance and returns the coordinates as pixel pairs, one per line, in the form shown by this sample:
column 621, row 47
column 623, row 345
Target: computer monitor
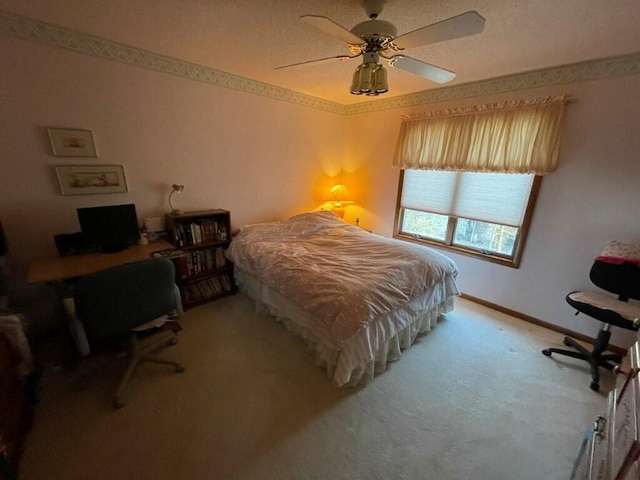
column 109, row 229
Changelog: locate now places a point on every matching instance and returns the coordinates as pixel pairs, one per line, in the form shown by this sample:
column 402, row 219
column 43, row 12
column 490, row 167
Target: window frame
column 521, row 238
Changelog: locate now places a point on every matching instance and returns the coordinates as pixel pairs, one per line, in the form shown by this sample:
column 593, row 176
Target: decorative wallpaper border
column 29, row 29
column 572, row 73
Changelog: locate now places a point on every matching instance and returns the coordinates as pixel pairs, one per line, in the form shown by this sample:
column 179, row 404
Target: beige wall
column 593, row 197
column 263, row 159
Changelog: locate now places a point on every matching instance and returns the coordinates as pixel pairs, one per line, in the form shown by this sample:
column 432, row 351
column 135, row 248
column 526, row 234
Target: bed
column 356, row 298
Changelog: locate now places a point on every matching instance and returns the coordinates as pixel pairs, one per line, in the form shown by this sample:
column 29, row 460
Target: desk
column 57, row 269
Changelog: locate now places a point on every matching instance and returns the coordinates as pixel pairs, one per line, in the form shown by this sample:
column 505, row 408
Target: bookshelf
column 201, row 238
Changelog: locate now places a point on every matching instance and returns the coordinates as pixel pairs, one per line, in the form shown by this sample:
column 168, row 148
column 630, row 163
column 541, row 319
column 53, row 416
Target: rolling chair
column 616, row 270
column 127, row 302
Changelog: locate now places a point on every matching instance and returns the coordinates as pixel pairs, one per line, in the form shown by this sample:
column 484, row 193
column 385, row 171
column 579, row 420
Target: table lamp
column 338, row 195
column 175, row 188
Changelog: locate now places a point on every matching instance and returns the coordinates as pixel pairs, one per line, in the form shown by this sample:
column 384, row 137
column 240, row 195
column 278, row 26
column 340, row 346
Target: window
column 481, row 214
column 471, row 174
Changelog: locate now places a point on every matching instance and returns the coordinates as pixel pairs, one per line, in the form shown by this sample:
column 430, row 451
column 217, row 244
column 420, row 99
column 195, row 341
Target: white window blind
column 489, row 197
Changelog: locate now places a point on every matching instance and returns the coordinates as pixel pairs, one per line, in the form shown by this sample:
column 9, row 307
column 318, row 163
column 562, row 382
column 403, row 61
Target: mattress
column 356, row 298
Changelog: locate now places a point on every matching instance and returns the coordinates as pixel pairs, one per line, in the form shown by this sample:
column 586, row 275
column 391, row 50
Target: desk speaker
column 70, row 244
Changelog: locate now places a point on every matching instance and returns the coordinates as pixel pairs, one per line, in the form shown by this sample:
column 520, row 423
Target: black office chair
column 126, row 302
column 616, row 270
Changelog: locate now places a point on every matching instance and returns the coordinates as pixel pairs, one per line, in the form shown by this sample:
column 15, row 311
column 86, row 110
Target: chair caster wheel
column 594, row 386
column 546, row 352
column 118, row 402
column 179, row 369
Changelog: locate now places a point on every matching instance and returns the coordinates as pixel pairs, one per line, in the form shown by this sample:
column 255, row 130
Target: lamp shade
column 338, row 194
column 338, row 197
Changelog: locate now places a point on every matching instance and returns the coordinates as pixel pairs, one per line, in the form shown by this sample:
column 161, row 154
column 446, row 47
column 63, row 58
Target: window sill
column 507, row 262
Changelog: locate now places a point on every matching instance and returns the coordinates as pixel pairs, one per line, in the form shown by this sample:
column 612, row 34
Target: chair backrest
column 112, row 301
column 622, row 279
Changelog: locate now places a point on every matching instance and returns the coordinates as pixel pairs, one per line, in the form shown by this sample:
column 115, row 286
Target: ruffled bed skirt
column 366, row 353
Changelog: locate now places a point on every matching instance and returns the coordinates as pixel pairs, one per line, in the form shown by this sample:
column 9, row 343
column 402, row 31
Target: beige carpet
column 474, row 399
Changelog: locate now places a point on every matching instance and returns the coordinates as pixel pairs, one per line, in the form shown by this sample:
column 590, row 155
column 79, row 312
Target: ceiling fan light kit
column 370, row 77
column 378, row 38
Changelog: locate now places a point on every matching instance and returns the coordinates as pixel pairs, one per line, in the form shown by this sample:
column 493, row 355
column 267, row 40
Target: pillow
column 619, row 252
column 323, row 217
column 300, row 224
column 249, row 225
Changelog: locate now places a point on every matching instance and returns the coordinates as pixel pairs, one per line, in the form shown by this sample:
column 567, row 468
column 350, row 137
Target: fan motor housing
column 372, row 29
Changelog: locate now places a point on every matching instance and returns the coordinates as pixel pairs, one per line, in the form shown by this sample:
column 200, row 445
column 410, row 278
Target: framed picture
column 72, row 143
column 89, row 179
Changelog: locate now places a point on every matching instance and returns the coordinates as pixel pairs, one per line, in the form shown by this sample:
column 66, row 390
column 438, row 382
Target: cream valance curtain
column 513, row 137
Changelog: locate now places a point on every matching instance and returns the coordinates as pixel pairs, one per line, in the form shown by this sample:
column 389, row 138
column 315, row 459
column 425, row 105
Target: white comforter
column 342, row 274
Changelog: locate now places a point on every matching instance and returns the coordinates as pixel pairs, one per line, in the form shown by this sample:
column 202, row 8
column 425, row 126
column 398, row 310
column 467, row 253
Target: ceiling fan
column 375, row 38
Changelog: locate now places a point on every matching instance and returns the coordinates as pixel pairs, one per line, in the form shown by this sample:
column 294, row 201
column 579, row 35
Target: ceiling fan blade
column 320, row 61
column 422, row 69
column 332, row 28
column 461, row 25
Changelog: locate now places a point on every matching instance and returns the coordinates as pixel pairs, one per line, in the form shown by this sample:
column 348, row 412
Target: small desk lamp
column 175, row 188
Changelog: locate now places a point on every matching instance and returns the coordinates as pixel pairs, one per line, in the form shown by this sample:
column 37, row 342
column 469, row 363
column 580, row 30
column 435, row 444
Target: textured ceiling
column 251, row 37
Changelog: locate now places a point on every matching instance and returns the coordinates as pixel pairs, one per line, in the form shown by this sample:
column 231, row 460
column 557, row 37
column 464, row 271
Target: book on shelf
column 216, row 285
column 182, row 266
column 222, row 232
column 209, row 229
column 226, row 283
column 209, row 261
column 189, row 264
column 179, row 238
column 188, row 296
column 189, row 234
column 202, row 289
column 185, row 235
column 207, row 288
column 196, row 235
column 196, row 262
column 221, row 259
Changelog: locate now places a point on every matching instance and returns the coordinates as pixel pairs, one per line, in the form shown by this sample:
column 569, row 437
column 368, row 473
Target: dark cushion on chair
column 622, row 279
column 605, row 308
column 109, row 302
